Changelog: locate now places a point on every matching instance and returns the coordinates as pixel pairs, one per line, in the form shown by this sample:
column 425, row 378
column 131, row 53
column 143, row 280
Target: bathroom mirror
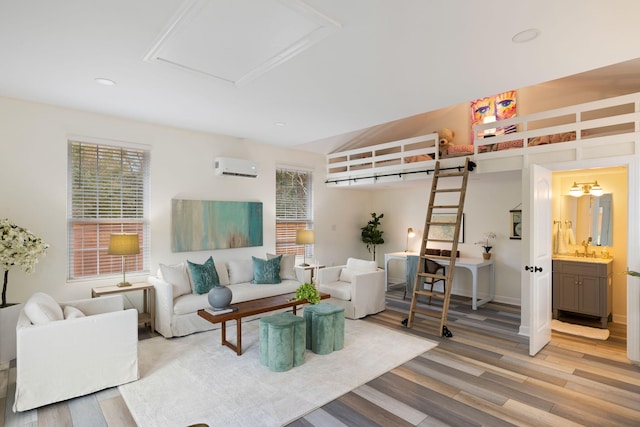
column 591, row 217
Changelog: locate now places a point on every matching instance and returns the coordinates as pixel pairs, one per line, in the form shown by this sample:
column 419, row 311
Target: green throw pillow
column 204, row 276
column 266, row 271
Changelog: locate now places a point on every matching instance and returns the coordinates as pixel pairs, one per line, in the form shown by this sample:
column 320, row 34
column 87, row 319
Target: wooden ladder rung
column 440, row 240
column 431, row 294
column 433, row 276
column 440, row 223
column 445, row 206
column 449, row 174
column 435, row 314
column 448, row 190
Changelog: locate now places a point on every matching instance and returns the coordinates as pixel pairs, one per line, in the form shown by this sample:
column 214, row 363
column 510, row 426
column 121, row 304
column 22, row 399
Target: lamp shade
column 304, row 237
column 410, row 232
column 124, row 244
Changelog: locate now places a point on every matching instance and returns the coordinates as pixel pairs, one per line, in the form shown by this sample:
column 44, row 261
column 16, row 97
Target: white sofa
column 72, row 349
column 177, row 304
column 358, row 286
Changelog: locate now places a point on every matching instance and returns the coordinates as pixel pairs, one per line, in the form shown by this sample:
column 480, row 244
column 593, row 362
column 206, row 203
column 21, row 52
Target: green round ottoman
column 282, row 341
column 325, row 327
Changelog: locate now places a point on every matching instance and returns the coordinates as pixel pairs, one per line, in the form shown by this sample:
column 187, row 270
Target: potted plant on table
column 308, row 292
column 485, row 242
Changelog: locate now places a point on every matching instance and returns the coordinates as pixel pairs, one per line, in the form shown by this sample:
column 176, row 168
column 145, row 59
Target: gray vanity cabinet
column 583, row 288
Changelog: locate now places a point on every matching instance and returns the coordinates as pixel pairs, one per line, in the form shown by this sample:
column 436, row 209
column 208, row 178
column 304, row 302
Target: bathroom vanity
column 583, row 286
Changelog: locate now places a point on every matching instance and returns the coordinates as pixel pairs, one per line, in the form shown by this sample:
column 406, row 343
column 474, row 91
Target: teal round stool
column 282, row 341
column 325, row 327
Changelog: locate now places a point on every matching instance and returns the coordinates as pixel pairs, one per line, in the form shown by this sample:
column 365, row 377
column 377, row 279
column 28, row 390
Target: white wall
column 33, row 194
column 488, row 201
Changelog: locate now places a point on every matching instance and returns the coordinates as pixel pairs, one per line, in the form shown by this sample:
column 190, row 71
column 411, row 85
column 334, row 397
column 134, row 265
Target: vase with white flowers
column 485, row 242
column 18, row 247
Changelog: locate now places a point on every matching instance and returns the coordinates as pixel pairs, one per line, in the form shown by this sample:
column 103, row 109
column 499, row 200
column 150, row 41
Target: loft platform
column 593, row 130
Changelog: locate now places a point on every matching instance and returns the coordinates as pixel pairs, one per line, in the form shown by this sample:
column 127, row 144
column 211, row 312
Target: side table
column 148, row 314
column 311, row 268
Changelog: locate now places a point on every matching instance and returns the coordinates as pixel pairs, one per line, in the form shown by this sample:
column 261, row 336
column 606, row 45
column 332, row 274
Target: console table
column 471, row 264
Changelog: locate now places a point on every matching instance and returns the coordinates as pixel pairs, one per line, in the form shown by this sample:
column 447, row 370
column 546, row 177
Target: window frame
column 286, row 226
column 88, row 228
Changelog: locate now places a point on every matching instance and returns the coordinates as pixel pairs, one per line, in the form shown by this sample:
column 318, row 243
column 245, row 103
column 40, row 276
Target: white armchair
column 93, row 348
column 358, row 287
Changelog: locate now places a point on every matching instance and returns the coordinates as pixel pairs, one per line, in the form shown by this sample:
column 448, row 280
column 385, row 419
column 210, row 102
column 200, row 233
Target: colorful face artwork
column 493, row 108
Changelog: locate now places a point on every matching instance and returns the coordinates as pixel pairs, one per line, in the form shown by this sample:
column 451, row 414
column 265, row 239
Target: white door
column 539, row 267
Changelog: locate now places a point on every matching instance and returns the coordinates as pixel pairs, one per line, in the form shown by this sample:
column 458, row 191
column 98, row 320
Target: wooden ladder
column 456, row 184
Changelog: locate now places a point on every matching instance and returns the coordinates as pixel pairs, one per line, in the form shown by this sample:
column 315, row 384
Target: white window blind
column 107, row 193
column 294, row 210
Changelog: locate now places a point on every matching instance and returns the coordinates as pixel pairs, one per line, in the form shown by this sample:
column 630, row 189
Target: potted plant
column 371, row 235
column 485, row 242
column 308, row 292
column 18, row 247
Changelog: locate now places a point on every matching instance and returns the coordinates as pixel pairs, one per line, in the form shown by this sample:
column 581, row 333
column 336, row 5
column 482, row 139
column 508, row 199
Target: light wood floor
column 481, row 376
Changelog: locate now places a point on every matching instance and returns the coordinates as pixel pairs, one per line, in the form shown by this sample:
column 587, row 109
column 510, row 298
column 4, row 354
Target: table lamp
column 410, row 234
column 124, row 244
column 304, row 237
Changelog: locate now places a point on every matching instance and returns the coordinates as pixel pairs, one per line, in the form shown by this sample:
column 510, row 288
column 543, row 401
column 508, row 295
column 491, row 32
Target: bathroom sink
column 568, row 257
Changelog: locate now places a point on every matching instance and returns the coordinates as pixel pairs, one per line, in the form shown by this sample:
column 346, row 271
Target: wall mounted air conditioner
column 236, row 167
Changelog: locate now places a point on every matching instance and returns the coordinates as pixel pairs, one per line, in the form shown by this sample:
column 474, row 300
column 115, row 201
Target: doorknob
column 532, row 269
column 536, row 269
column 527, row 268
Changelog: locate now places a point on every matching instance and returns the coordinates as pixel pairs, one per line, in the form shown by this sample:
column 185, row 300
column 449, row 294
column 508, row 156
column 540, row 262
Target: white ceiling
column 323, row 68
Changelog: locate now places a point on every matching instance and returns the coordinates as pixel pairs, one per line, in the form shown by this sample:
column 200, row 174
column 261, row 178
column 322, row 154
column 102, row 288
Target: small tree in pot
column 371, row 235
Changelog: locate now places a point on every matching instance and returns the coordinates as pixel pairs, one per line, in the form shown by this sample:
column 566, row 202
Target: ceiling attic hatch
column 237, row 41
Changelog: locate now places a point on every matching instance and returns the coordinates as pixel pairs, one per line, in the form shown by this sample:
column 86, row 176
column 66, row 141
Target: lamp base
column 123, row 284
column 304, row 264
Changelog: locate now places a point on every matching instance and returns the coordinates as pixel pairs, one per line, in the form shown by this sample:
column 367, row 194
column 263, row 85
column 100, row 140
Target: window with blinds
column 108, row 193
column 294, row 210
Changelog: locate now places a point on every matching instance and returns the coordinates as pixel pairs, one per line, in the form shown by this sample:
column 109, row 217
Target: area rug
column 194, row 379
column 579, row 330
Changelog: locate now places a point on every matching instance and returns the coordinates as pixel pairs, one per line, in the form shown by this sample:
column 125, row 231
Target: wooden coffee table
column 250, row 308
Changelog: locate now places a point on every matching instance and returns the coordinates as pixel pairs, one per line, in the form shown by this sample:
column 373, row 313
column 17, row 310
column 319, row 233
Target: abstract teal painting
column 198, row 225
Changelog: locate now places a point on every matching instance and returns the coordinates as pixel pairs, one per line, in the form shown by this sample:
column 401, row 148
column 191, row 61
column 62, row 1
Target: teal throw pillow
column 266, row 271
column 204, row 276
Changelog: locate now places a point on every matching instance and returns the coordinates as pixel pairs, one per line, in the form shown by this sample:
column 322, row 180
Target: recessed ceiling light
column 526, row 35
column 105, row 82
column 280, row 124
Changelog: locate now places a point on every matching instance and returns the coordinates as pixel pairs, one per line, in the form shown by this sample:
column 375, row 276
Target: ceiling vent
column 239, row 40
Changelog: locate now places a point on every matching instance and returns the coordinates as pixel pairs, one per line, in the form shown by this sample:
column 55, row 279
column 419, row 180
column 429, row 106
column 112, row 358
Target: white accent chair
column 93, row 348
column 357, row 286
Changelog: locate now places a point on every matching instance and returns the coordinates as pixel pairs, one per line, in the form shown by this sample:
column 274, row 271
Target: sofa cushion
column 266, row 271
column 346, row 275
column 42, row 308
column 287, row 266
column 223, row 274
column 190, row 303
column 361, row 265
column 356, row 266
column 70, row 312
column 248, row 291
column 240, row 271
column 340, row 290
column 204, row 276
column 176, row 275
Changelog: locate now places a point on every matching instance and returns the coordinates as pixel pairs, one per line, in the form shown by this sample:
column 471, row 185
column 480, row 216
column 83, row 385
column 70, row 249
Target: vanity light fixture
column 585, row 189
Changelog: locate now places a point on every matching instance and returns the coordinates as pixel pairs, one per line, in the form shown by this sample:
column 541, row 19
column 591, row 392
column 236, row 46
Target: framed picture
column 445, row 232
column 516, row 224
